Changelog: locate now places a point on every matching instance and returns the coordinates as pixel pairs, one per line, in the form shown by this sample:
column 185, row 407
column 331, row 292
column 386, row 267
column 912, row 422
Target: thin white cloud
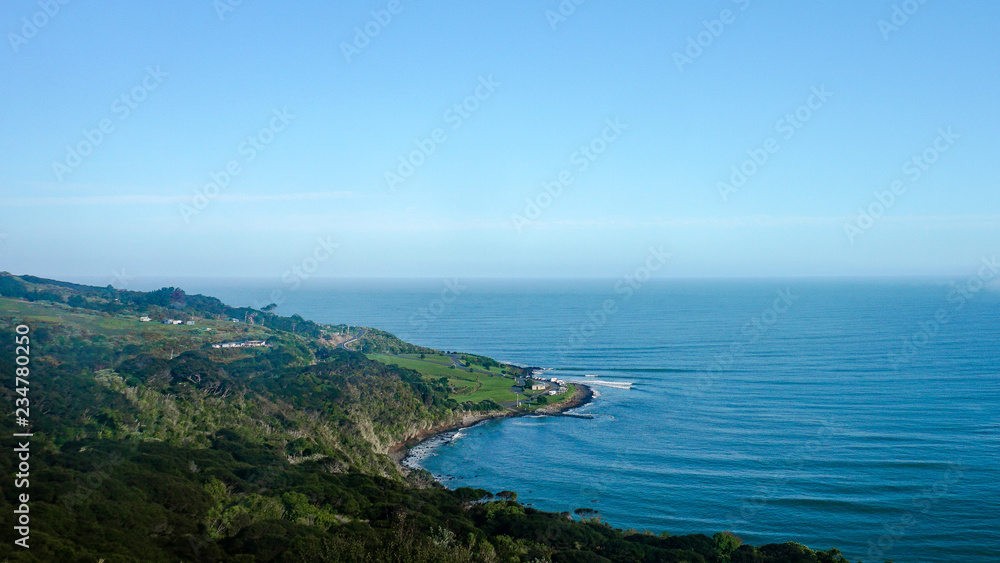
column 166, row 200
column 408, row 224
column 767, row 221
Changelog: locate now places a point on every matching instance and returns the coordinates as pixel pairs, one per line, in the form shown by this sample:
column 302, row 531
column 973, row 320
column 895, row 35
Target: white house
column 246, row 344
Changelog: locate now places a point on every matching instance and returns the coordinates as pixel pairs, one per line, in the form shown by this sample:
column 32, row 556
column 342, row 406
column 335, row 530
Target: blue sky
column 309, row 135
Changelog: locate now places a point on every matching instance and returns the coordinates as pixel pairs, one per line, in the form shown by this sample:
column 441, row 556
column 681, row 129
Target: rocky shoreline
column 583, row 395
column 399, row 451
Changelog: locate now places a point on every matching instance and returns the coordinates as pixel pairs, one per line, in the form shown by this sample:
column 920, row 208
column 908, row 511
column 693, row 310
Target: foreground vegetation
column 151, row 445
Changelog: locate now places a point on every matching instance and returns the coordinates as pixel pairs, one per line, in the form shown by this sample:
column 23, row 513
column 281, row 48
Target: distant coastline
column 401, row 451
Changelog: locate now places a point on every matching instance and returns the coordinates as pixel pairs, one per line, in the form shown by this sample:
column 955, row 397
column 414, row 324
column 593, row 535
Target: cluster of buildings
column 145, row 319
column 536, row 383
column 562, row 386
column 244, row 344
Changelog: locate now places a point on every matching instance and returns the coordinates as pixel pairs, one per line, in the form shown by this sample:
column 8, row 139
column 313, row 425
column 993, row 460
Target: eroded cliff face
column 417, row 432
column 420, row 431
column 387, row 444
column 423, row 430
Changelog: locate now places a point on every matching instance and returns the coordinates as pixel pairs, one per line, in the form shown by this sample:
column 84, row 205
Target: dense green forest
column 150, row 444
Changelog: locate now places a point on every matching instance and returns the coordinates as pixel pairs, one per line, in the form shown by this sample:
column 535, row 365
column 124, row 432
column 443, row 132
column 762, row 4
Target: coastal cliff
column 399, row 450
column 151, row 444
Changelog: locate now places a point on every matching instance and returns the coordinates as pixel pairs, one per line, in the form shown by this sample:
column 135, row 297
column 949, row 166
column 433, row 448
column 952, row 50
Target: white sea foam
column 605, row 383
column 425, row 449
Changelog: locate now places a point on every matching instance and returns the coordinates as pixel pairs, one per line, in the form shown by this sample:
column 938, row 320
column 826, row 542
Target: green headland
column 173, row 427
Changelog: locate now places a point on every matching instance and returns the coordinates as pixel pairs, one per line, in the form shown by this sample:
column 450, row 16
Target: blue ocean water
column 862, row 415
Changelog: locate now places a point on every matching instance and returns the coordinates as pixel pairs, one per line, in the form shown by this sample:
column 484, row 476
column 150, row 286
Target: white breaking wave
column 425, row 449
column 605, row 383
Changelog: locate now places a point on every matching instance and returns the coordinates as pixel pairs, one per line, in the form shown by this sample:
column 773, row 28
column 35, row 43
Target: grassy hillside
column 150, row 444
column 464, row 386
